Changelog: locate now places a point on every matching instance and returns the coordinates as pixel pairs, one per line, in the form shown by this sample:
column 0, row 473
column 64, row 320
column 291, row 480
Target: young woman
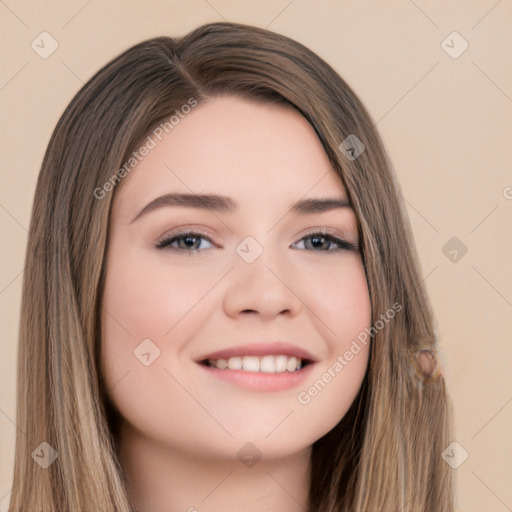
column 222, row 306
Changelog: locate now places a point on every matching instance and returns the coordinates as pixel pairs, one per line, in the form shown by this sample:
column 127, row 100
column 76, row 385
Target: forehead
column 239, row 148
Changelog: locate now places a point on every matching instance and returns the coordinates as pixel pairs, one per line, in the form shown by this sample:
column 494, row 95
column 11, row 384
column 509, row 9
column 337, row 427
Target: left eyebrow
column 214, row 202
column 320, row 205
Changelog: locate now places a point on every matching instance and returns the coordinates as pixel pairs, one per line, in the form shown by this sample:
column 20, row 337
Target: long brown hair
column 385, row 454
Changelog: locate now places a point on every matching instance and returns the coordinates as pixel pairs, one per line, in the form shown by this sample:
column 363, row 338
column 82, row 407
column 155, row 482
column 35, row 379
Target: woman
column 222, row 306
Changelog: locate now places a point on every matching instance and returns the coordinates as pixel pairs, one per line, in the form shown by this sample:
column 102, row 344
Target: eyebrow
column 224, row 204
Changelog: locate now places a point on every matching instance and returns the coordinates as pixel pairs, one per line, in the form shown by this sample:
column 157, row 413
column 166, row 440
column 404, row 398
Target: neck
column 164, row 479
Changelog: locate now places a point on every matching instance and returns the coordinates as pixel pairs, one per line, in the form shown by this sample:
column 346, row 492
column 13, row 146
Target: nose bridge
column 256, row 281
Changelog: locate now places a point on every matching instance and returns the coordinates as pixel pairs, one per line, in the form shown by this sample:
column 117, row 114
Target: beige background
column 446, row 123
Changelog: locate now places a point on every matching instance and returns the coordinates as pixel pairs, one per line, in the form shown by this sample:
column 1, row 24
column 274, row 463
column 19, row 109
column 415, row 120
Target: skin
column 182, row 428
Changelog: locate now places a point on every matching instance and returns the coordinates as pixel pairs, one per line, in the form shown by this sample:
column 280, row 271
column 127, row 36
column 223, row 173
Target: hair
column 385, row 453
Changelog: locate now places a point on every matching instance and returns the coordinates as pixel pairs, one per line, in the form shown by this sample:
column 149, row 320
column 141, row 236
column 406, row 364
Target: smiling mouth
column 264, row 364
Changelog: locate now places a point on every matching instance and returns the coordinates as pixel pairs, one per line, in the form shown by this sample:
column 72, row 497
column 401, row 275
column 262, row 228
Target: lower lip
column 261, row 381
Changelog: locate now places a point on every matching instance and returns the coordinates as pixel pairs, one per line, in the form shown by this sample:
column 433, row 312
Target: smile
column 265, row 364
column 264, row 367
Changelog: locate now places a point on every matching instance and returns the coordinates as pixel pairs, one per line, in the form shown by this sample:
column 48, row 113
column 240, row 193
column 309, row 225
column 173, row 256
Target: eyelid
column 182, row 232
column 341, row 239
column 342, row 234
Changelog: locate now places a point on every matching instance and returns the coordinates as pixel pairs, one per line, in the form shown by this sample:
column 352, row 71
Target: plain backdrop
column 443, row 110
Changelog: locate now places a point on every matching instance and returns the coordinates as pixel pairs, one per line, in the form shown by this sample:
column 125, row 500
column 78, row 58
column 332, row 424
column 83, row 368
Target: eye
column 191, row 242
column 323, row 242
column 188, row 241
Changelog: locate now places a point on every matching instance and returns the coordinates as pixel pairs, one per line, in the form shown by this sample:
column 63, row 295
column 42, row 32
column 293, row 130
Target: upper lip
column 274, row 348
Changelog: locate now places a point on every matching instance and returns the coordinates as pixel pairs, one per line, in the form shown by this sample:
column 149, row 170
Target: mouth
column 267, row 364
column 273, row 366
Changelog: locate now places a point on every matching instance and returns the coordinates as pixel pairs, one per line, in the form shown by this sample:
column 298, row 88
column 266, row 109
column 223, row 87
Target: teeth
column 222, row 364
column 265, row 364
column 235, row 363
column 251, row 364
column 280, row 363
column 291, row 364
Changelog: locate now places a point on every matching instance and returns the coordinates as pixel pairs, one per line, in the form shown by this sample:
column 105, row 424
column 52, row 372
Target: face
column 261, row 280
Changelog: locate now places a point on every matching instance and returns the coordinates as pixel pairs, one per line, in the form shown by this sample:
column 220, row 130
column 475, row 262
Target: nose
column 263, row 288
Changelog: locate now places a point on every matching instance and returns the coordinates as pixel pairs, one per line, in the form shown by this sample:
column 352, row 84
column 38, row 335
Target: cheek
column 149, row 298
column 343, row 308
column 144, row 301
column 340, row 301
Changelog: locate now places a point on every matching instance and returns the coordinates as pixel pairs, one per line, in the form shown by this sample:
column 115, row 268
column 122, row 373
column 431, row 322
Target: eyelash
column 166, row 242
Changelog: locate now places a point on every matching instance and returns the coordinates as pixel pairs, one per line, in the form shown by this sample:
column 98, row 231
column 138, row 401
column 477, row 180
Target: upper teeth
column 267, row 364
